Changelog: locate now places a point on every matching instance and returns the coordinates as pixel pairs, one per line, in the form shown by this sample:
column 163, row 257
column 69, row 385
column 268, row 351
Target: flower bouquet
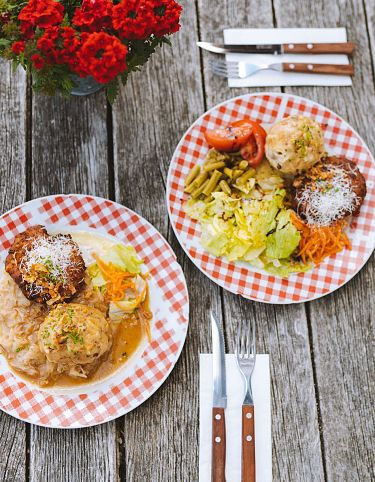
column 61, row 42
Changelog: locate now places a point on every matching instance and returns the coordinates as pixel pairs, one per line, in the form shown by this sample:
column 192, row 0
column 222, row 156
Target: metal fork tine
column 245, row 353
column 243, row 348
column 219, row 73
column 238, row 351
column 219, row 63
column 218, row 69
column 248, row 339
column 223, row 68
column 253, row 346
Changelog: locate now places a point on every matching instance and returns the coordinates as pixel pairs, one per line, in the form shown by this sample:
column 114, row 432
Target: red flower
column 138, row 19
column 93, row 15
column 60, row 45
column 133, row 19
column 37, row 61
column 40, row 13
column 103, row 56
column 18, row 47
column 169, row 13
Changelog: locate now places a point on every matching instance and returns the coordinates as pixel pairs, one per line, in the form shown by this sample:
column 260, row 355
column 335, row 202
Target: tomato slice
column 230, row 138
column 253, row 124
column 254, row 149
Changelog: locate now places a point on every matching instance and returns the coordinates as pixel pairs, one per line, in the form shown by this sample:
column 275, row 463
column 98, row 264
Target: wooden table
column 322, row 353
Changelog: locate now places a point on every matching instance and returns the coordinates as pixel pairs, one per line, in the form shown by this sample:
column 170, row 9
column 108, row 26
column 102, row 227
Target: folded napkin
column 233, row 418
column 284, row 36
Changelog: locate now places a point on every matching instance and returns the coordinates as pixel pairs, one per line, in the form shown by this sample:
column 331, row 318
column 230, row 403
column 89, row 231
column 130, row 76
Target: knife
column 219, row 403
column 278, row 49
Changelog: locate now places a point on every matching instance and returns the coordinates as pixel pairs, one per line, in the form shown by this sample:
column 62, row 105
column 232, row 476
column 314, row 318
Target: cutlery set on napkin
column 236, row 446
column 304, row 57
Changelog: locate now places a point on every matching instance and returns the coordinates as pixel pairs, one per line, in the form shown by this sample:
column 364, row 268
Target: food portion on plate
column 273, row 199
column 73, row 307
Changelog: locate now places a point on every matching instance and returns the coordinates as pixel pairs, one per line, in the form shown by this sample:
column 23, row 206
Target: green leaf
column 112, row 90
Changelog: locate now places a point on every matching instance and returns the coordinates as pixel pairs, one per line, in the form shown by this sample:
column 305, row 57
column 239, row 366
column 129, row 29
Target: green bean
column 246, row 176
column 212, row 183
column 194, row 172
column 199, row 190
column 210, row 197
column 225, row 187
column 214, row 165
column 198, row 181
column 243, row 165
column 189, row 189
column 228, row 172
column 237, row 173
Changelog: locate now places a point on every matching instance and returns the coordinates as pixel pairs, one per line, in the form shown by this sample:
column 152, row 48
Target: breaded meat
column 330, row 191
column 47, row 268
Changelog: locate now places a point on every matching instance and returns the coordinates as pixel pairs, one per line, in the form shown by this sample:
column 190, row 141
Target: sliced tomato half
column 253, row 151
column 230, row 138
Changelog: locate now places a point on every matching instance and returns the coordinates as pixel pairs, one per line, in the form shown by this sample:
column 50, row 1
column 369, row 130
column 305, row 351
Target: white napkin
column 233, row 419
column 283, row 36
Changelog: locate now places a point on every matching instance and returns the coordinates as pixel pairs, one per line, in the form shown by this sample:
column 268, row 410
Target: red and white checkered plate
column 131, row 386
column 241, row 278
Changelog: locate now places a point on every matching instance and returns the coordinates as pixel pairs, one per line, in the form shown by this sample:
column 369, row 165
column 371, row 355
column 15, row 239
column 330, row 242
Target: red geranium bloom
column 138, row 19
column 37, row 61
column 60, row 45
column 133, row 19
column 169, row 13
column 103, row 56
column 18, row 47
column 93, row 15
column 40, row 13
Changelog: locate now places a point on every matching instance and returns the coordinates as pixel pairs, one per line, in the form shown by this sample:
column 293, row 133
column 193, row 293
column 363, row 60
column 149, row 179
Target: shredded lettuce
column 250, row 229
column 124, row 257
column 284, row 240
column 96, row 276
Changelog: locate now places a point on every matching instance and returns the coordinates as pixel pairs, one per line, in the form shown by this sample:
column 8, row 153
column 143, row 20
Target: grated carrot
column 118, row 281
column 319, row 242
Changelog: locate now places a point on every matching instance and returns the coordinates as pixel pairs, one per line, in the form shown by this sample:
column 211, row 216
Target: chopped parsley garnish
column 75, row 337
column 22, row 347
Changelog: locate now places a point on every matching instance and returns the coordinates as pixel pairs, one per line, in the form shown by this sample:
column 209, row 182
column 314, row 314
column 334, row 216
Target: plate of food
column 93, row 311
column 272, row 197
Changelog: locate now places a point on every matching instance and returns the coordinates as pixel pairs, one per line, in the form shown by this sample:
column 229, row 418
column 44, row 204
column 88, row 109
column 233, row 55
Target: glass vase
column 85, row 86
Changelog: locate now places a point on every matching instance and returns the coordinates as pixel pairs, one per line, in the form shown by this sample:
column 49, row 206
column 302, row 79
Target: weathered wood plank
column 13, row 192
column 342, row 330
column 282, row 331
column 153, row 112
column 369, row 6
column 69, row 146
column 69, row 154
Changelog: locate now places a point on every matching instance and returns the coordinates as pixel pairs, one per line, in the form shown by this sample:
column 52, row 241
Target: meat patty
column 47, row 268
column 329, row 192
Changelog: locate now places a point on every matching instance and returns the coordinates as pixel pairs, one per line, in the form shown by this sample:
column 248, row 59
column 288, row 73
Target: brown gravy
column 126, row 341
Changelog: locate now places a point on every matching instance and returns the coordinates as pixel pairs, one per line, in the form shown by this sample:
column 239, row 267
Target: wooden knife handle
column 248, row 444
column 218, row 445
column 319, row 48
column 318, row 68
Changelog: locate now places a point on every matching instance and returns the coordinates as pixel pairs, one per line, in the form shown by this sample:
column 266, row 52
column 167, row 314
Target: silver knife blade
column 241, row 49
column 218, row 365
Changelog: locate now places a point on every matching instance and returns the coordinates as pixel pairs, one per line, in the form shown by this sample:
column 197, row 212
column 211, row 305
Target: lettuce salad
column 252, row 226
column 116, row 260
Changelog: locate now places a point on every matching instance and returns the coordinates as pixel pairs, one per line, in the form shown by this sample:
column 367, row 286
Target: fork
column 246, row 355
column 242, row 70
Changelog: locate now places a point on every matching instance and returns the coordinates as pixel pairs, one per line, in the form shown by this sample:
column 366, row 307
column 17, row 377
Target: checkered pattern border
column 239, row 278
column 169, row 329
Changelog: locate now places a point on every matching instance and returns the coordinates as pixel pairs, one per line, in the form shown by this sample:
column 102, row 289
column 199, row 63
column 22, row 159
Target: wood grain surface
column 69, row 154
column 13, row 154
column 322, row 356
